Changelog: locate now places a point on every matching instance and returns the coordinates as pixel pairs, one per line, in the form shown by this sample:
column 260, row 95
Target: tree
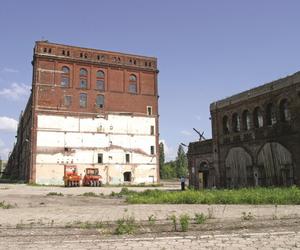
column 161, row 158
column 181, row 162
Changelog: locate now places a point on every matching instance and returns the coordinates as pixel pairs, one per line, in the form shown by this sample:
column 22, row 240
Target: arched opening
column 285, row 114
column 100, row 80
column 236, row 124
column 65, row 77
column 203, row 174
column 276, row 165
column 239, row 168
column 225, row 125
column 271, row 114
column 246, row 120
column 258, row 118
column 132, row 84
column 127, row 176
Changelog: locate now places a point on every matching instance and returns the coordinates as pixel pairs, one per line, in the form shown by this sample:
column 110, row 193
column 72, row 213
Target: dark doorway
column 127, row 176
column 203, row 179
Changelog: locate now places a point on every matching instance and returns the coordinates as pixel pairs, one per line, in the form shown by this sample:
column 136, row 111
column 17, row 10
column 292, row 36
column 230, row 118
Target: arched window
column 225, row 125
column 246, row 120
column 100, row 81
column 271, row 114
column 100, row 101
column 65, row 77
column 285, row 114
column 258, row 118
column 236, row 125
column 132, row 84
column 83, row 82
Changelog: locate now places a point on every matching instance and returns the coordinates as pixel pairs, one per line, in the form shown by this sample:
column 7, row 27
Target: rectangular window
column 83, row 84
column 100, row 101
column 64, row 82
column 83, row 100
column 152, row 130
column 132, row 88
column 100, row 158
column 67, row 100
column 152, row 150
column 100, row 85
column 149, row 110
column 127, row 158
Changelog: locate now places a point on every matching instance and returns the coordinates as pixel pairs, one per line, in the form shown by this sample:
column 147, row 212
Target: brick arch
column 275, row 165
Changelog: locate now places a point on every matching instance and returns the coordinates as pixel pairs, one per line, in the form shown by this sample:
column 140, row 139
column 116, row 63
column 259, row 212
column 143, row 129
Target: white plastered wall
column 78, row 141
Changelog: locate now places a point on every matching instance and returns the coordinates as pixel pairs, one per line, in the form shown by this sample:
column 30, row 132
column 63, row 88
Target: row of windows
column 127, row 156
column 239, row 124
column 83, row 100
column 114, row 59
column 100, row 80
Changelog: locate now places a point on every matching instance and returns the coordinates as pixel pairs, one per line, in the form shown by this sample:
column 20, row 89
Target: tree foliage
column 181, row 162
column 161, row 158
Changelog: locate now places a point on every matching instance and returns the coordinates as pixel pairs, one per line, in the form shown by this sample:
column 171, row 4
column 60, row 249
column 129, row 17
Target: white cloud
column 10, row 70
column 3, row 151
column 8, row 124
column 170, row 153
column 16, row 91
column 185, row 132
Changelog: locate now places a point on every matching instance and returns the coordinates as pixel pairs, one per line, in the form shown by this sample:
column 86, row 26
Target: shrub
column 125, row 226
column 174, row 221
column 54, row 194
column 200, row 218
column 184, row 222
column 5, row 205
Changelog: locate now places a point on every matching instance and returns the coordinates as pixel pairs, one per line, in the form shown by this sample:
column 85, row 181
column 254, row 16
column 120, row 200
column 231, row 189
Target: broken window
column 100, row 81
column 258, row 118
column 152, row 150
column 100, row 158
column 236, row 125
column 271, row 114
column 285, row 114
column 67, row 100
column 83, row 100
column 149, row 110
column 152, row 130
column 100, row 101
column 246, row 120
column 127, row 156
column 225, row 125
column 132, row 84
column 65, row 77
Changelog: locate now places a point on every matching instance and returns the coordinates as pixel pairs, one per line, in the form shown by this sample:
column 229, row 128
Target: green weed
column 200, row 218
column 5, row 205
column 126, row 225
column 184, row 222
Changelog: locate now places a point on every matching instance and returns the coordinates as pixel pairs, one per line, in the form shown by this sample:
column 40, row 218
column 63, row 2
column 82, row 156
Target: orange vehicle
column 92, row 178
column 71, row 177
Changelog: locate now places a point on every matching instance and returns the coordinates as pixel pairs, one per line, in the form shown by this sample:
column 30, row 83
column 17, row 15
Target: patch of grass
column 184, row 222
column 5, row 205
column 126, row 225
column 290, row 195
column 151, row 219
column 54, row 194
column 200, row 218
column 173, row 218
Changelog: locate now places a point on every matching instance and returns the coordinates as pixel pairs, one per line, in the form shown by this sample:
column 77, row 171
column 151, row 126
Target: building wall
column 62, row 133
column 63, row 140
column 252, row 155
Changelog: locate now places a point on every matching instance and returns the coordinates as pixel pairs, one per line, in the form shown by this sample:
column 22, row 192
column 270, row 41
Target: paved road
column 245, row 241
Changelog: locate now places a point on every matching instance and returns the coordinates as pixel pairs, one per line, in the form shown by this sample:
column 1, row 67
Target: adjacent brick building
column 255, row 139
column 88, row 108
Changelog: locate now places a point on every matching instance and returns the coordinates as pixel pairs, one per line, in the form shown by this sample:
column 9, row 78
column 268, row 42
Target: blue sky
column 206, row 50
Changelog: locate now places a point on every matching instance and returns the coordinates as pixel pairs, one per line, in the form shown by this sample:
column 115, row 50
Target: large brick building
column 88, row 108
column 255, row 139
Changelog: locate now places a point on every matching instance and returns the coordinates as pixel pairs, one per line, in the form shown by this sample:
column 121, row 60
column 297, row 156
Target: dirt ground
column 37, row 217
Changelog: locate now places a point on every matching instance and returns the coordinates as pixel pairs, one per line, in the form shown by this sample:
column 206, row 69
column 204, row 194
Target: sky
column 206, row 50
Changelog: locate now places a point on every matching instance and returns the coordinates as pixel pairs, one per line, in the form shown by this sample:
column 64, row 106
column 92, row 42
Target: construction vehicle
column 71, row 177
column 92, row 178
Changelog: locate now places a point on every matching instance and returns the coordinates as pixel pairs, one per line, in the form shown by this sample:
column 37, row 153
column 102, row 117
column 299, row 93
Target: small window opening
column 152, row 130
column 100, row 158
column 45, row 50
column 63, row 52
column 49, row 51
column 127, row 158
column 152, row 150
column 149, row 110
column 68, row 53
column 127, row 176
column 81, row 55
